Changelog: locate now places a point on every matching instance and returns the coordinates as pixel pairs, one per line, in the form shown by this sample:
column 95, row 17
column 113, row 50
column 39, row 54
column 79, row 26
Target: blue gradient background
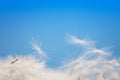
column 51, row 20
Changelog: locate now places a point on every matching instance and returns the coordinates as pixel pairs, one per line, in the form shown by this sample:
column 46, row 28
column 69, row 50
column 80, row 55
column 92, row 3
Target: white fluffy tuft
column 92, row 65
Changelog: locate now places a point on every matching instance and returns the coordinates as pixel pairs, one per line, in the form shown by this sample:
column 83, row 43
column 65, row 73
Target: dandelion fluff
column 93, row 64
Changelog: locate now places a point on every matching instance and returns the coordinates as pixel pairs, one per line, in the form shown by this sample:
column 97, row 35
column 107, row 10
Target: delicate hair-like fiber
column 93, row 64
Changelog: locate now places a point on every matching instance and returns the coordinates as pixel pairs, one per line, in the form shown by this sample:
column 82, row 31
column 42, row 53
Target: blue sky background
column 51, row 20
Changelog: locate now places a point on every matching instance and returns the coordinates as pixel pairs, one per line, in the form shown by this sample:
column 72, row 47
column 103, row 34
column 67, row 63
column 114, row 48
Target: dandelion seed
column 36, row 46
column 14, row 61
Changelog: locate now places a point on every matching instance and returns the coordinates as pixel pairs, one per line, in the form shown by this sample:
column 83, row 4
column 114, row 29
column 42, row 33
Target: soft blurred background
column 50, row 20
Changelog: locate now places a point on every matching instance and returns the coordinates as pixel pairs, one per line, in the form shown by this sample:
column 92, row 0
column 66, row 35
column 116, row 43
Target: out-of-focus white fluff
column 92, row 65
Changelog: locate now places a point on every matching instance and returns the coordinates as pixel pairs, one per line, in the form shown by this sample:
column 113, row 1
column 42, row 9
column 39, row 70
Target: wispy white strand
column 92, row 65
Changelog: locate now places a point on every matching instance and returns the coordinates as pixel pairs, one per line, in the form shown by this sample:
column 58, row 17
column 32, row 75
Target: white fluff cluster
column 93, row 64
